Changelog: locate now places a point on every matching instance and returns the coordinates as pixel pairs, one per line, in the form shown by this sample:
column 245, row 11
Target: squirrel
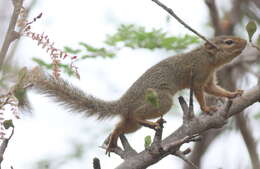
column 165, row 78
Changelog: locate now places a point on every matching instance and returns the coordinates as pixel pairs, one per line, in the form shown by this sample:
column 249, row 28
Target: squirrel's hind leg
column 128, row 125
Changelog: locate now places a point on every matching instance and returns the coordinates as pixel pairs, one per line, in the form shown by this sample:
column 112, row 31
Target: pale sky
column 51, row 129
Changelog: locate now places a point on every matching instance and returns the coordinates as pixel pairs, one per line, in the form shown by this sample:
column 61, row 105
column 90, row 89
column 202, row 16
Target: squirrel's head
column 228, row 47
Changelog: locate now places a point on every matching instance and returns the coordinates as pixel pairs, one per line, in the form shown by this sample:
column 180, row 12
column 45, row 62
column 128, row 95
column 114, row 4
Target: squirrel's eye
column 229, row 42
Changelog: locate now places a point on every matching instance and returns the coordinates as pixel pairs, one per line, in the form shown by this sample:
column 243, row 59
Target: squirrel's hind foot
column 110, row 144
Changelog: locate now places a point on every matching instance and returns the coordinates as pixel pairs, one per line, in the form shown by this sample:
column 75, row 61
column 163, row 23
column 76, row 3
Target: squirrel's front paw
column 208, row 109
column 235, row 94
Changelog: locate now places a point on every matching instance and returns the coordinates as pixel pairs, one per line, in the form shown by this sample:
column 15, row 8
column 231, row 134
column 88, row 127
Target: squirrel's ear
column 210, row 48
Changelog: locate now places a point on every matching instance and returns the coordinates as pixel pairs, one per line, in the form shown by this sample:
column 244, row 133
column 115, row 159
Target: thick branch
column 197, row 125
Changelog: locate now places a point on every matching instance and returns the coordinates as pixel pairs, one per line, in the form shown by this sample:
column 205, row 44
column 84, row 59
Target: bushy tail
column 71, row 97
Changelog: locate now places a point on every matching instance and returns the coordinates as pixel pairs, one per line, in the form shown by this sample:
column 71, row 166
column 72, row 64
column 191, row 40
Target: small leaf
column 151, row 97
column 251, row 29
column 20, row 93
column 147, row 141
column 72, row 51
column 8, row 123
column 42, row 63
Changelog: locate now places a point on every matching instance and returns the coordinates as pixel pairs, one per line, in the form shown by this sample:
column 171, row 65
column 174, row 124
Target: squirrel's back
column 171, row 74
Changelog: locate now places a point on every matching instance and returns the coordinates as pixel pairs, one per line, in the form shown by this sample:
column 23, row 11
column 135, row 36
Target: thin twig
column 191, row 109
column 177, row 143
column 170, row 11
column 16, row 44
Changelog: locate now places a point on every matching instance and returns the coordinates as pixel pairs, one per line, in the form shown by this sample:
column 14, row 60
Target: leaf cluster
column 134, row 37
column 126, row 35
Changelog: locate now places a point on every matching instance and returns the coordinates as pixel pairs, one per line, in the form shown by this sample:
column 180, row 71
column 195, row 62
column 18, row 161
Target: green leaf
column 152, row 98
column 70, row 50
column 8, row 123
column 147, row 141
column 94, row 52
column 134, row 36
column 251, row 29
column 42, row 63
column 66, row 68
column 20, row 93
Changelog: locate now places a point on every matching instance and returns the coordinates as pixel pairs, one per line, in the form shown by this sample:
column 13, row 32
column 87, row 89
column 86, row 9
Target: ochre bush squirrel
column 166, row 78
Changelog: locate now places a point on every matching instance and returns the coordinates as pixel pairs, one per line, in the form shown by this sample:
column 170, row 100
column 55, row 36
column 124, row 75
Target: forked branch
column 11, row 35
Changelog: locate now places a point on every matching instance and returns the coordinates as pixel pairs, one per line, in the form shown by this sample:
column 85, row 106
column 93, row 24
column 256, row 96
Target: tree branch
column 4, row 146
column 11, row 35
column 214, row 16
column 195, row 126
